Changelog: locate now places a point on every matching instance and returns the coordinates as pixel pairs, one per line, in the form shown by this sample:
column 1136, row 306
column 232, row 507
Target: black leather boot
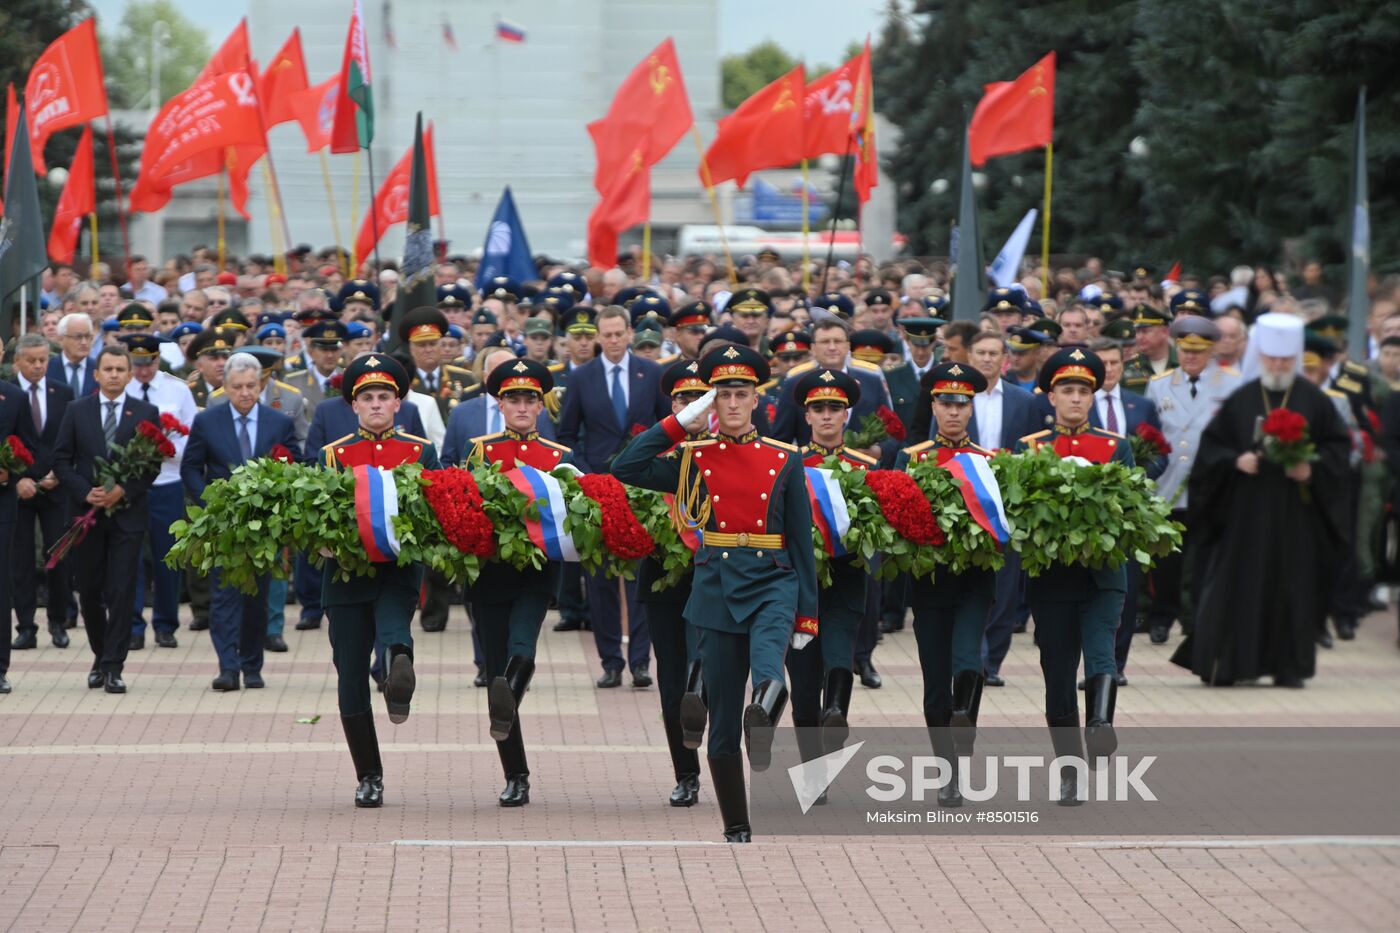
column 516, row 769
column 941, row 738
column 364, row 752
column 399, row 682
column 1100, row 694
column 761, row 718
column 686, row 765
column 727, row 777
column 837, row 708
column 810, row 745
column 693, row 711
column 505, row 693
column 967, row 701
column 1064, row 735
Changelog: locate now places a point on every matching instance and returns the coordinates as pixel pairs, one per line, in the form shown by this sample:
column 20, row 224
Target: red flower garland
column 453, row 496
column 1154, row 437
column 893, row 426
column 1286, row 425
column 20, row 452
column 623, row 535
column 172, row 425
column 904, row 506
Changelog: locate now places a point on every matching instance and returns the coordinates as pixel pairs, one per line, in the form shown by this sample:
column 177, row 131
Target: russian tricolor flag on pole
column 376, row 504
column 507, row 31
column 829, row 512
column 981, row 493
column 547, row 531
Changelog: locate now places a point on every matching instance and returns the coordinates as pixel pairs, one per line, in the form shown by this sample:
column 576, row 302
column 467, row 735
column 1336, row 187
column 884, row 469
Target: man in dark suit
column 91, row 427
column 223, row 438
column 39, row 502
column 74, row 367
column 610, row 398
column 14, row 420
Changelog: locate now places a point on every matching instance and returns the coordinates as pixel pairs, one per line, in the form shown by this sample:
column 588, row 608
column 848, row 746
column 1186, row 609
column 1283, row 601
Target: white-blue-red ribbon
column 376, row 504
column 829, row 512
column 981, row 493
column 547, row 530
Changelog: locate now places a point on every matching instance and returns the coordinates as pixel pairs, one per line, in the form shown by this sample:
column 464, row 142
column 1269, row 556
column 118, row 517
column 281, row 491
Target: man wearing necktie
column 109, row 555
column 223, row 438
column 74, row 366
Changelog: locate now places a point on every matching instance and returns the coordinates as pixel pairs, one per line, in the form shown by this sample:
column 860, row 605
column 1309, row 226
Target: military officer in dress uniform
column 678, row 673
column 1075, row 606
column 951, row 610
column 823, row 674
column 355, row 297
column 755, row 577
column 1186, row 399
column 508, row 605
column 689, row 323
column 422, row 330
column 209, row 350
column 366, row 609
column 1155, row 352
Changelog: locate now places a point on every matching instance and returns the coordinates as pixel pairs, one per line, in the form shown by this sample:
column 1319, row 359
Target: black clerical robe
column 1269, row 543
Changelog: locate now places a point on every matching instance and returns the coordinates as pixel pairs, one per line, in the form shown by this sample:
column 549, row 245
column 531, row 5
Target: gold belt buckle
column 743, row 539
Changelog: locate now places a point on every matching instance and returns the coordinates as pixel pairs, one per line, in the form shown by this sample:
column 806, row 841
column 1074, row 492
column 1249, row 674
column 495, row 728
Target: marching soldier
column 509, row 605
column 950, row 613
column 1075, row 606
column 366, row 609
column 1186, row 399
column 678, row 674
column 755, row 576
column 822, row 675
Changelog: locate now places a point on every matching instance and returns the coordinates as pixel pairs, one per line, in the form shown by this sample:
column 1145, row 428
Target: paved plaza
column 177, row 808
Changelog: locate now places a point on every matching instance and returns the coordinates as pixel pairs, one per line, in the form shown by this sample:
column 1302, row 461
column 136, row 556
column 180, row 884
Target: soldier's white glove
column 692, row 416
column 800, row 640
column 1078, row 461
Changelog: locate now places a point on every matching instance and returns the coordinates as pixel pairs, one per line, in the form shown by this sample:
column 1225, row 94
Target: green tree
column 127, row 54
column 26, row 29
column 743, row 74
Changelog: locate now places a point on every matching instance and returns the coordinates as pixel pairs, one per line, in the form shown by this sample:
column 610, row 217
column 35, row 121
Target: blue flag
column 507, row 251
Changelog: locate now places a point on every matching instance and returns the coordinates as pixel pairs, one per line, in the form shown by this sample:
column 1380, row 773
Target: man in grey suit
column 1186, row 398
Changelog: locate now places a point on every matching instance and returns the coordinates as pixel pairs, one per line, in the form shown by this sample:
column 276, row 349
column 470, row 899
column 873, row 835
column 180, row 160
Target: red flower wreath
column 172, row 425
column 157, row 437
column 623, row 535
column 21, row 453
column 453, row 496
column 1286, row 425
column 904, row 506
column 893, row 426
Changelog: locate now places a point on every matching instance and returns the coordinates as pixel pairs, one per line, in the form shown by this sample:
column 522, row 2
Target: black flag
column 22, row 254
column 417, row 272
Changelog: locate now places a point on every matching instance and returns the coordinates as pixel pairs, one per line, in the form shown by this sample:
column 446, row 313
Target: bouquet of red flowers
column 875, row 428
column 1148, row 444
column 148, row 448
column 15, row 458
column 1286, row 441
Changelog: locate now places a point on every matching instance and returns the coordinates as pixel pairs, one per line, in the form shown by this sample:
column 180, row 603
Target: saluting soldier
column 1155, row 355
column 1077, row 607
column 366, row 609
column 678, row 673
column 508, row 605
column 822, row 675
column 1186, row 399
column 951, row 609
column 754, row 590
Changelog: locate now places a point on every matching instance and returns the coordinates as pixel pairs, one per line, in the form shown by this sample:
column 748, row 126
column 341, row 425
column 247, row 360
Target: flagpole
column 355, row 212
column 806, row 232
column 330, row 203
column 222, row 173
column 23, row 306
column 714, row 203
column 373, row 209
column 279, row 244
column 646, row 251
column 836, row 212
column 1045, row 225
column 92, row 221
column 117, row 180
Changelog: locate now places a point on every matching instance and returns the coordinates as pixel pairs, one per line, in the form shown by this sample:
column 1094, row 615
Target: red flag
column 867, row 168
column 210, row 117
column 651, row 107
column 764, row 131
column 834, row 115
column 65, row 87
column 79, row 199
column 625, row 204
column 315, row 111
column 354, row 114
column 392, row 197
column 233, row 55
column 11, row 121
column 1014, row 116
column 284, row 76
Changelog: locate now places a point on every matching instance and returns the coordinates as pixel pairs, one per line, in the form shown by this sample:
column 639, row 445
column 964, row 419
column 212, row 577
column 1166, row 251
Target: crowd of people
column 605, row 368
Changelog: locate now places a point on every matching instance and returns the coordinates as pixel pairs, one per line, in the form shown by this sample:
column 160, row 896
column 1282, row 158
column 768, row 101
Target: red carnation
column 455, row 499
column 172, row 425
column 1154, row 437
column 623, row 535
column 1286, row 426
column 150, row 431
column 21, row 453
column 893, row 426
column 335, row 382
column 905, row 507
column 280, row 453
